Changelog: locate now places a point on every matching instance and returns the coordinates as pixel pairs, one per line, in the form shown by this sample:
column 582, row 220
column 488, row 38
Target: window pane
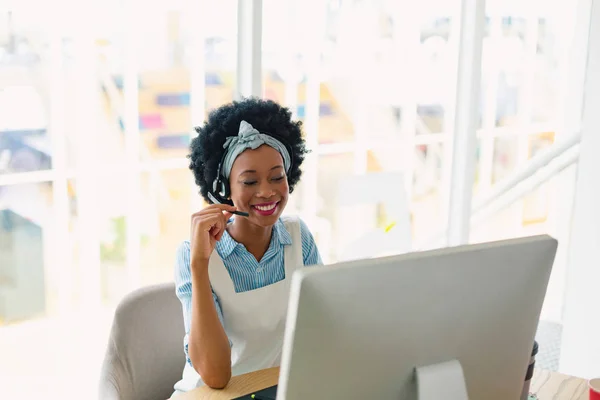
column 531, row 213
column 27, row 277
column 434, row 72
column 166, row 199
column 523, row 53
column 332, row 170
column 165, row 80
column 44, row 315
column 166, row 49
column 527, row 68
column 24, row 140
column 111, row 223
column 373, row 79
column 167, row 206
column 99, row 205
column 370, row 215
column 428, row 199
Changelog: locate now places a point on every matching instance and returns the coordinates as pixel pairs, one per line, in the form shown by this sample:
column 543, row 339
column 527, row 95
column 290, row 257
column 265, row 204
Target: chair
column 144, row 357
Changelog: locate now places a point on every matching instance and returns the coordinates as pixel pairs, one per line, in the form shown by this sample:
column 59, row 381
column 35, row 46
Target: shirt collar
column 226, row 245
column 280, row 236
column 281, row 233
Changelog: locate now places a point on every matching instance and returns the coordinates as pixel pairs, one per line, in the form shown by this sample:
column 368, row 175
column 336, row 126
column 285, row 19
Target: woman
column 233, row 276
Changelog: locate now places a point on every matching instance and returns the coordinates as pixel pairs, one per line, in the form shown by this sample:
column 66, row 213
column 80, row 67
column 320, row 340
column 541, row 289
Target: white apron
column 254, row 321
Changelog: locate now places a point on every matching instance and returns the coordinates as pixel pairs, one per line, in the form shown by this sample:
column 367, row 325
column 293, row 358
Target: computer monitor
column 410, row 327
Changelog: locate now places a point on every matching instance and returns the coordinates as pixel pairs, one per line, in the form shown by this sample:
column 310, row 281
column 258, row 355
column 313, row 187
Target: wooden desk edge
column 545, row 384
column 238, row 386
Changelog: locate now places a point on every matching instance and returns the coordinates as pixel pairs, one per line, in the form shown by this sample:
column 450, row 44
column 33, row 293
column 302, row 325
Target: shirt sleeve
column 310, row 252
column 183, row 289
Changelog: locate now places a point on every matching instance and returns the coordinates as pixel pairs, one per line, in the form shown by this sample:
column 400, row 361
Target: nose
column 265, row 190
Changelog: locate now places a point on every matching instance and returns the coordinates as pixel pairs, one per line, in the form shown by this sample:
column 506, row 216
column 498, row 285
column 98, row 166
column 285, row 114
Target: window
column 95, row 191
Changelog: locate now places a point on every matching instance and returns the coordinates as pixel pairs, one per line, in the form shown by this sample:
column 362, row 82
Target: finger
column 214, row 210
column 213, row 221
column 220, row 226
column 226, row 215
column 224, row 207
column 215, row 233
column 220, row 232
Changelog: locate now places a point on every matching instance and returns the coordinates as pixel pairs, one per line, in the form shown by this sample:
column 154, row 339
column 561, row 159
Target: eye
column 279, row 178
column 249, row 183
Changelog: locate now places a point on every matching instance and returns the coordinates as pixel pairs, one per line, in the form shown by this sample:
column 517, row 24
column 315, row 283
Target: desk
column 238, row 386
column 547, row 385
column 551, row 385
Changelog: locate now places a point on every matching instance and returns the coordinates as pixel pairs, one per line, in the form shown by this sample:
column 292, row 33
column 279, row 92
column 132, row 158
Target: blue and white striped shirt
column 246, row 273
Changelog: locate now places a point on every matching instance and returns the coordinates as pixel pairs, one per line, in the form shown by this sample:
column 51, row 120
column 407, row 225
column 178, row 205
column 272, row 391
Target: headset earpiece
column 220, row 187
column 223, row 187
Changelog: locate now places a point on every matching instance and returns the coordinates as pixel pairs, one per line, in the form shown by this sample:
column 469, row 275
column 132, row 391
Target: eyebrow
column 253, row 171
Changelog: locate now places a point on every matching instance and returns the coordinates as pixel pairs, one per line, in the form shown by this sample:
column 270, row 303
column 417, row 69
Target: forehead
column 260, row 159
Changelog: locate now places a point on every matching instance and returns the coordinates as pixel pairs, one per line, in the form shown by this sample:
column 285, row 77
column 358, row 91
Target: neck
column 255, row 238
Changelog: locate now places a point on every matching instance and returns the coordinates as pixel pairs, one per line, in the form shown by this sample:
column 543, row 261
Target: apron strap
column 293, row 253
column 218, row 274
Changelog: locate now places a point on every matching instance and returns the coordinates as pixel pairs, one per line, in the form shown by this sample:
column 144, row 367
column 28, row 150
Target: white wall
column 581, row 336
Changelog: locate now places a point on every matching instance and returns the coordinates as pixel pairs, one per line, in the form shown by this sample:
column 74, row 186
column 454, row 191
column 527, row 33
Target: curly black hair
column 268, row 117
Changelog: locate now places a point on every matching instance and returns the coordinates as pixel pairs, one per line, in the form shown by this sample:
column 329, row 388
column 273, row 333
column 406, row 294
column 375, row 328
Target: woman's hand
column 207, row 227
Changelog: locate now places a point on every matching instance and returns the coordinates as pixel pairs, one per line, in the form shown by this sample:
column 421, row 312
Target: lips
column 266, row 209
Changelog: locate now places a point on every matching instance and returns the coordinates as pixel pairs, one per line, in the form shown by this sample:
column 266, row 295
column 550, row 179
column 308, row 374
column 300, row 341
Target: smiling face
column 259, row 185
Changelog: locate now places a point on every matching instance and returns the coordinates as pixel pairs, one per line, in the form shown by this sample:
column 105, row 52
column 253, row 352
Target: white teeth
column 266, row 208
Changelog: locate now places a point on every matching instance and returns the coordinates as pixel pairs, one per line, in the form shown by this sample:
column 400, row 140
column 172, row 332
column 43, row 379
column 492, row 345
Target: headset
column 221, row 191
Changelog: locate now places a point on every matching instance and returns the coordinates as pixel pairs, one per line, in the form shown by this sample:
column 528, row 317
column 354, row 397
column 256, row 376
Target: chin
column 265, row 222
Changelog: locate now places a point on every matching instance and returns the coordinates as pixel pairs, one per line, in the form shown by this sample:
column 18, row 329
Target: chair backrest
column 145, row 357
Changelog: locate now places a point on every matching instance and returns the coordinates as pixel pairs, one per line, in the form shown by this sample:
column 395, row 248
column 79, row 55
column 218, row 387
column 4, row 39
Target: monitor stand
column 441, row 381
